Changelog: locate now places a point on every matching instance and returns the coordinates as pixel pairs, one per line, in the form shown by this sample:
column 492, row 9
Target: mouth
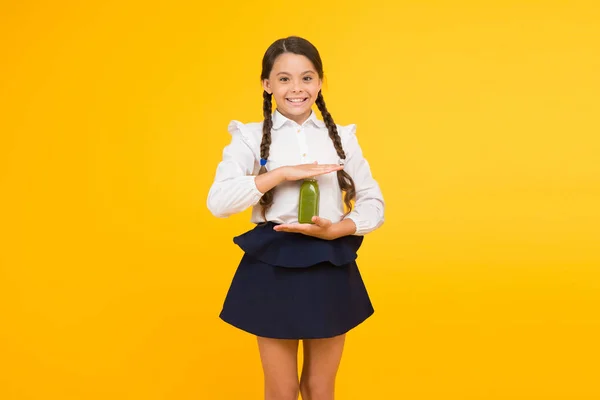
column 296, row 101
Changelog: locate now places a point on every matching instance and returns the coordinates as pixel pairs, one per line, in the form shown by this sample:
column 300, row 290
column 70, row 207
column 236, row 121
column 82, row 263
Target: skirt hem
column 296, row 337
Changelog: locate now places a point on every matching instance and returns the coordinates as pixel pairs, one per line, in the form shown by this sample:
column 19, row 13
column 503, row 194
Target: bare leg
column 321, row 362
column 279, row 359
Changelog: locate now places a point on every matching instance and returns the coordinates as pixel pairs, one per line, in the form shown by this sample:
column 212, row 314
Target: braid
column 345, row 181
column 267, row 199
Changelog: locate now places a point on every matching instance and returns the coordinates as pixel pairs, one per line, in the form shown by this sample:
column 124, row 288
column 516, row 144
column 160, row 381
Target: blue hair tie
column 263, row 162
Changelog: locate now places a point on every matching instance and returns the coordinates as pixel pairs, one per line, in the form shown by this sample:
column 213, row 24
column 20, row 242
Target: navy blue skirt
column 293, row 286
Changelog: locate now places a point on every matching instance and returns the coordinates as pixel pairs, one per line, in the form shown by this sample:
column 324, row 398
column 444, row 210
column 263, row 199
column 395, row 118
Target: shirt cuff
column 254, row 187
column 354, row 219
column 254, row 192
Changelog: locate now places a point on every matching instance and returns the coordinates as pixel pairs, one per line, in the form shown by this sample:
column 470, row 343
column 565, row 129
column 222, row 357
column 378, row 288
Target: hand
column 267, row 181
column 322, row 228
column 297, row 172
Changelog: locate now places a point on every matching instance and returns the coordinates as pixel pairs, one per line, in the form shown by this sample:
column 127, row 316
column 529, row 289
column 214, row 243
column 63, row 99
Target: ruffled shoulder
column 295, row 250
column 251, row 134
column 347, row 133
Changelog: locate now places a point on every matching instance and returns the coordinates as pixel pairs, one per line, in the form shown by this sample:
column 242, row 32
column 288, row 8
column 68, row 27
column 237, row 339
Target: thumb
column 322, row 222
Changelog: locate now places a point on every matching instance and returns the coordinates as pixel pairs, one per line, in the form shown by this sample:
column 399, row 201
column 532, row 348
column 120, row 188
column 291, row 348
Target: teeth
column 296, row 100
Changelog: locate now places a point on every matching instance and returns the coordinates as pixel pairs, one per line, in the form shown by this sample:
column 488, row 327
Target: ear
column 267, row 86
column 320, row 83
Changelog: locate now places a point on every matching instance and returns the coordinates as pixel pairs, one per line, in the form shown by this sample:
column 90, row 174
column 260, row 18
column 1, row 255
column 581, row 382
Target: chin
column 297, row 112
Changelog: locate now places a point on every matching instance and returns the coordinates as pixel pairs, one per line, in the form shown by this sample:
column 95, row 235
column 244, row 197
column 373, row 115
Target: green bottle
column 308, row 205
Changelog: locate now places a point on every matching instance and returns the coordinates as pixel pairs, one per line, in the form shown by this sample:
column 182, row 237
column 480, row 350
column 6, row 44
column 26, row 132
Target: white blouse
column 234, row 188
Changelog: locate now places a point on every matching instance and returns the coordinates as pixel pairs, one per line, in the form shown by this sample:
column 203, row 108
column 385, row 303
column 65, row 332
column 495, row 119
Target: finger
column 311, row 168
column 327, row 168
column 291, row 227
column 317, row 173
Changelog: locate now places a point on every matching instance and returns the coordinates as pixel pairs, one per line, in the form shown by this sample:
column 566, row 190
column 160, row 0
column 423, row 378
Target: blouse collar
column 279, row 120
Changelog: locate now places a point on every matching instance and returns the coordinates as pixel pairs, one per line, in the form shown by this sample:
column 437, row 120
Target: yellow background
column 480, row 121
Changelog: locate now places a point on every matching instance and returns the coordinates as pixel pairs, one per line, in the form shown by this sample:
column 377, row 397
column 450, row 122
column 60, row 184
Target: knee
column 317, row 388
column 282, row 390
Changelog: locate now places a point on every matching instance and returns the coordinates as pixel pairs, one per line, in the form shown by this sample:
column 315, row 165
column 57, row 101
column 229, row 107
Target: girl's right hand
column 297, row 172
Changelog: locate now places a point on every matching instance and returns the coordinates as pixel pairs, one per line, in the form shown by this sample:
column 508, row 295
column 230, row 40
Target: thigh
column 322, row 358
column 279, row 359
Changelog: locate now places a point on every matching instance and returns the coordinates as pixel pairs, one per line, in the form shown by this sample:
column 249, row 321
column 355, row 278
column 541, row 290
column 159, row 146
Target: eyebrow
column 305, row 72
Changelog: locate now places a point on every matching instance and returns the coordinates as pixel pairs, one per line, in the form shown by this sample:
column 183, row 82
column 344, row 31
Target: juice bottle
column 309, row 201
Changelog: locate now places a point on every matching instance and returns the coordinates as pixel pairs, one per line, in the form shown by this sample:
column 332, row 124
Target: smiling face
column 295, row 84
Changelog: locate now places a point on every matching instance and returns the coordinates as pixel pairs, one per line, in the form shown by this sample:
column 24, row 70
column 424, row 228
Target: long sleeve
column 368, row 209
column 234, row 188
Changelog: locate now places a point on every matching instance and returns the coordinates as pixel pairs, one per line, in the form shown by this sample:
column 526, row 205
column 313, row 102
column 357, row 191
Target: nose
column 296, row 87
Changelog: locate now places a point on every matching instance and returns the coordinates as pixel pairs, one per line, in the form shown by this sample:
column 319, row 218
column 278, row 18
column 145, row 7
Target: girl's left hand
column 322, row 228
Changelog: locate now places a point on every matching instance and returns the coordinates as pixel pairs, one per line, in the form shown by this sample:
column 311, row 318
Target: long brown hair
column 300, row 46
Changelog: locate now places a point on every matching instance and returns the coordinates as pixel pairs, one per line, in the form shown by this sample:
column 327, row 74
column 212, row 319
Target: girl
column 297, row 280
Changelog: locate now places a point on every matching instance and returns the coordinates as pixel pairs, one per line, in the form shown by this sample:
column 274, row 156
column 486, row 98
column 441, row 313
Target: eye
column 308, row 78
column 283, row 79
